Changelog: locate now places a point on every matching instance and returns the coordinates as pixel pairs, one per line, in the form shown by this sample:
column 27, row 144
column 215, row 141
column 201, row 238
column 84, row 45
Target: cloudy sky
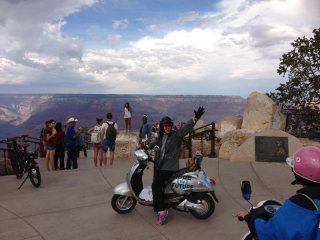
column 217, row 47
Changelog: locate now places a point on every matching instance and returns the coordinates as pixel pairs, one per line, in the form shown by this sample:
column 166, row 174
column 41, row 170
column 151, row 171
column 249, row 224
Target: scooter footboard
column 122, row 189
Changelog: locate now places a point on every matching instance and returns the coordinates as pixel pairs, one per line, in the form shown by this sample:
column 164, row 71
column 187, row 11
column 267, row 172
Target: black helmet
column 166, row 119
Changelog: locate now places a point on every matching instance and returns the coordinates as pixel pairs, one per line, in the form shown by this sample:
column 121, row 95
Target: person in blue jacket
column 299, row 217
column 145, row 131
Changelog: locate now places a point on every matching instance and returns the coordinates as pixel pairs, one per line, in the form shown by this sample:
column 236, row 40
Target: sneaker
column 162, row 217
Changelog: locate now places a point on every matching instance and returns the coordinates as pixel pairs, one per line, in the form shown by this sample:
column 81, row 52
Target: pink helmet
column 306, row 163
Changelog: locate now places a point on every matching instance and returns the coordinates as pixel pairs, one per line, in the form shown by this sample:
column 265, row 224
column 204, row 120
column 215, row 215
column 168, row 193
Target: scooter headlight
column 141, row 154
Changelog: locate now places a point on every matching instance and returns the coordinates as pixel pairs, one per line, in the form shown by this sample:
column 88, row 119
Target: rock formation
column 261, row 113
column 228, row 124
column 126, row 144
column 246, row 152
column 306, row 142
column 232, row 140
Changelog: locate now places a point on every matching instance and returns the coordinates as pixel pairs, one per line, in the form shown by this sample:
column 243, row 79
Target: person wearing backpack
column 95, row 133
column 299, row 216
column 108, row 138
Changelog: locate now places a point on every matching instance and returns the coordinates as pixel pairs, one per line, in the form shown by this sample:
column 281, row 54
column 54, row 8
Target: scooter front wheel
column 122, row 204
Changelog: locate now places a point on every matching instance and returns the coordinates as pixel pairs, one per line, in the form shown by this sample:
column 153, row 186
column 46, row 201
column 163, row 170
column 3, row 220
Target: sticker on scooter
column 182, row 183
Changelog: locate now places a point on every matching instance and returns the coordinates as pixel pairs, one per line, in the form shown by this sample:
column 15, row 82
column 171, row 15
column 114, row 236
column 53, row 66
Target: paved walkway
column 76, row 204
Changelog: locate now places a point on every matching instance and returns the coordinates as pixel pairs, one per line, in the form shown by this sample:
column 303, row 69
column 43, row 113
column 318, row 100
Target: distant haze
column 27, row 113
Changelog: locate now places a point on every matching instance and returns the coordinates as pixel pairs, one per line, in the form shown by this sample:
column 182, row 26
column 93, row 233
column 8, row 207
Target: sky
column 179, row 47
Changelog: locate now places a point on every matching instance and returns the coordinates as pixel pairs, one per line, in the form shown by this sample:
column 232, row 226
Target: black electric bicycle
column 24, row 163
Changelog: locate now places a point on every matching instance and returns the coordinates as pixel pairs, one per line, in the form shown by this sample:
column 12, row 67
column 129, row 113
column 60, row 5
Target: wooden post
column 212, row 154
column 190, row 146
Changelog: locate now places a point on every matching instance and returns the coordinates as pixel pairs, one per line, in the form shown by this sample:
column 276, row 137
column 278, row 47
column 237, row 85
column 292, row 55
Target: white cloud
column 140, row 30
column 147, row 20
column 187, row 17
column 31, row 35
column 152, row 27
column 123, row 23
column 232, row 51
column 113, row 38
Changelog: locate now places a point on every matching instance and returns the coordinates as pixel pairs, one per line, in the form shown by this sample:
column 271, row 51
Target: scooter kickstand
column 23, row 181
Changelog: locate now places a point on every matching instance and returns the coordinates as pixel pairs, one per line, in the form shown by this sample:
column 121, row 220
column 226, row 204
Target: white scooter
column 265, row 209
column 185, row 191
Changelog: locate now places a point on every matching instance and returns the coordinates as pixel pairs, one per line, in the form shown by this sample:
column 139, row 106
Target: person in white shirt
column 108, row 138
column 127, row 114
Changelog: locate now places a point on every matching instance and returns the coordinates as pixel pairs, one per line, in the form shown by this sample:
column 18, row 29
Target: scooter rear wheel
column 122, row 204
column 209, row 207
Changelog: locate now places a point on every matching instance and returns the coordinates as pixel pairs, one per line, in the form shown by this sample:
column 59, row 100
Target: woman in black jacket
column 167, row 159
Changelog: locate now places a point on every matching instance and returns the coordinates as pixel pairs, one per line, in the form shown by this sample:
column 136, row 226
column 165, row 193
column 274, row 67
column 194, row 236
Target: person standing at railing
column 60, row 146
column 51, row 145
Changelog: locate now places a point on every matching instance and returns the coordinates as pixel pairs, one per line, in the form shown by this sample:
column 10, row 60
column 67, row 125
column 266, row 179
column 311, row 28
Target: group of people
column 55, row 138
column 52, row 139
column 108, row 131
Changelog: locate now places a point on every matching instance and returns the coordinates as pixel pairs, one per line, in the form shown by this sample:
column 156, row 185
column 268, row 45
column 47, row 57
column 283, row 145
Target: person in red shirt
column 60, row 146
column 51, row 145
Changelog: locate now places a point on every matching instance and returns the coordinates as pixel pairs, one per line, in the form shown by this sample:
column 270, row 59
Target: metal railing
column 187, row 141
column 312, row 113
column 8, row 150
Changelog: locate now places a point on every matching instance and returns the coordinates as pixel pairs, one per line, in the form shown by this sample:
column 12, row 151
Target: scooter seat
column 180, row 172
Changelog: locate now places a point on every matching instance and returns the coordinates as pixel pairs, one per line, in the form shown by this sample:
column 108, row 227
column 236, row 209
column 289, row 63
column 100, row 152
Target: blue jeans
column 108, row 144
column 72, row 155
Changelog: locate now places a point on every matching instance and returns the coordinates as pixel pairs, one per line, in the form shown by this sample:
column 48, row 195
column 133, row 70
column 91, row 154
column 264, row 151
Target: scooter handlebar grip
column 240, row 218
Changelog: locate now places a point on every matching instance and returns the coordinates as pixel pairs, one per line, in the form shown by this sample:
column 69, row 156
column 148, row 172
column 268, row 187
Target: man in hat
column 71, row 138
column 145, row 131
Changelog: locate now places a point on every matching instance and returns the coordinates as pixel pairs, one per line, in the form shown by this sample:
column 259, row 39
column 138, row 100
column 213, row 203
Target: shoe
column 162, row 217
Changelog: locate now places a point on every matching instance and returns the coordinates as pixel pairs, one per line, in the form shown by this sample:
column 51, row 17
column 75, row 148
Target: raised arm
column 90, row 130
column 185, row 129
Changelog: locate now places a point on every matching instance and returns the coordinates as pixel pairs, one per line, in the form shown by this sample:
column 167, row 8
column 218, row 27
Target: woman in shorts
column 127, row 114
column 97, row 146
column 51, row 145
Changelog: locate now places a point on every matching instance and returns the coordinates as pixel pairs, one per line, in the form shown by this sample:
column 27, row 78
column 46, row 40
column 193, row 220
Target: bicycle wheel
column 17, row 166
column 35, row 176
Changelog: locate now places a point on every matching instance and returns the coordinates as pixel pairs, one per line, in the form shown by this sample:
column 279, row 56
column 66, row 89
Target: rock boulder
column 232, row 140
column 261, row 113
column 246, row 152
column 126, row 144
column 306, row 142
column 228, row 124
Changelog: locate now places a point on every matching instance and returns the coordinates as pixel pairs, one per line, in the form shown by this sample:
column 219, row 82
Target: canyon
column 27, row 113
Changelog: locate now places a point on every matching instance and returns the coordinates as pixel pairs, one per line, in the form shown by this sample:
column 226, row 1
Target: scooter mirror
column 246, row 189
column 156, row 148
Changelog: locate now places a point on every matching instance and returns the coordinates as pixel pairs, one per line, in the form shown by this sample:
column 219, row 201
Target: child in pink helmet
column 299, row 217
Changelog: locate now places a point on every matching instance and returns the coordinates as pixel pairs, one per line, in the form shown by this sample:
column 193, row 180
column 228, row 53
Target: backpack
column 96, row 136
column 194, row 163
column 111, row 133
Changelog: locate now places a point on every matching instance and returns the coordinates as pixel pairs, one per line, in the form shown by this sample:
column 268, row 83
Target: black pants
column 84, row 150
column 59, row 154
column 158, row 188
